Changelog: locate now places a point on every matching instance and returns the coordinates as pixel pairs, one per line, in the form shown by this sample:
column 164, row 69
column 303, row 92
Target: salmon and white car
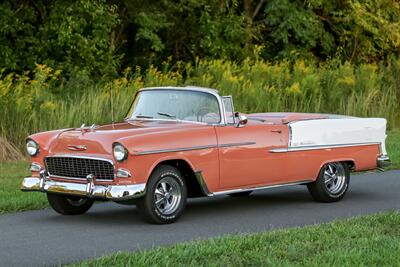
column 177, row 143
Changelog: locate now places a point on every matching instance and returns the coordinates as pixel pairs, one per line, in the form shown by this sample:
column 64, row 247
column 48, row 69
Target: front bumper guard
column 383, row 161
column 88, row 189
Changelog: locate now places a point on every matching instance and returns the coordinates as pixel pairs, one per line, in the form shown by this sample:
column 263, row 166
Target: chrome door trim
column 181, row 149
column 148, row 152
column 237, row 144
column 304, row 148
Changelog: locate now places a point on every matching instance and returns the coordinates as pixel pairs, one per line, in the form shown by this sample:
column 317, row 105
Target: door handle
column 276, row 131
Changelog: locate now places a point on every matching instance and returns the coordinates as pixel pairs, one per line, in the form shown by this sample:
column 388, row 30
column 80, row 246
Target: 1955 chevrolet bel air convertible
column 177, row 143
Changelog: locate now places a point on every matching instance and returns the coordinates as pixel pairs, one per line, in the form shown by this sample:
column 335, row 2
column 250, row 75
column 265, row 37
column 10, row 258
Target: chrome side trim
column 303, row 148
column 260, row 188
column 202, row 183
column 206, row 191
column 191, row 148
column 237, row 144
column 174, row 150
column 112, row 192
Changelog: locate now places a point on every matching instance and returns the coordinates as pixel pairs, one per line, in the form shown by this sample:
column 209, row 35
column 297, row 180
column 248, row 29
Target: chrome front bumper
column 89, row 189
column 383, row 161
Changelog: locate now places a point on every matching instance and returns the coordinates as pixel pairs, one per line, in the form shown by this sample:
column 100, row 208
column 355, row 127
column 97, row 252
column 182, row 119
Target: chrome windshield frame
column 188, row 88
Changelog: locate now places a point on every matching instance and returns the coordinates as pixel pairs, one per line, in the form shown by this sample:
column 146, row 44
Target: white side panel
column 338, row 132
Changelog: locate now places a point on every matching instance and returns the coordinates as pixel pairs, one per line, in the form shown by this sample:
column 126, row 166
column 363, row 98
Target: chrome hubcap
column 334, row 177
column 167, row 195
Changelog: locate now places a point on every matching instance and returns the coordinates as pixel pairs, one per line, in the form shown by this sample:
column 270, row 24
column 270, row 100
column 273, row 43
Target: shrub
column 46, row 101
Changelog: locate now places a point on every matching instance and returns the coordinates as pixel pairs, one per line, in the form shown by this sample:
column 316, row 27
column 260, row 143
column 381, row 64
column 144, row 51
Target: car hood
column 100, row 139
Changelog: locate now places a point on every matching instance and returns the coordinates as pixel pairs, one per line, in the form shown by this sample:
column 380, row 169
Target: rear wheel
column 332, row 183
column 165, row 197
column 69, row 205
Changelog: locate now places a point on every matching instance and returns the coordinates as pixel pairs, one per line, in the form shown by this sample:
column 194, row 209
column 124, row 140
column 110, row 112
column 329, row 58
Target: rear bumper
column 89, row 189
column 383, row 161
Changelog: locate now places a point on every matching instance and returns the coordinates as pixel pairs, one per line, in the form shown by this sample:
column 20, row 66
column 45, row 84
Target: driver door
column 244, row 157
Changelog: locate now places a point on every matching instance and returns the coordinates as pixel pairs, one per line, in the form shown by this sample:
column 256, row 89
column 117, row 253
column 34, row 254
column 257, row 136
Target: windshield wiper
column 166, row 115
column 143, row 117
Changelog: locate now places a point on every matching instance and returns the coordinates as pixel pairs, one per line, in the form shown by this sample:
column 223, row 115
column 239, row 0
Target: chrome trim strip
column 171, row 120
column 76, row 147
column 112, row 192
column 237, row 144
column 206, row 191
column 303, row 148
column 174, row 150
column 260, row 188
column 191, row 148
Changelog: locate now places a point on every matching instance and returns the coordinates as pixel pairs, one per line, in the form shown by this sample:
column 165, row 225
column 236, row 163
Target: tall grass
column 43, row 100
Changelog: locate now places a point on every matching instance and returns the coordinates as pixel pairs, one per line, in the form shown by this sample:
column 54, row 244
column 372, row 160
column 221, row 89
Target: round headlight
column 120, row 152
column 32, row 148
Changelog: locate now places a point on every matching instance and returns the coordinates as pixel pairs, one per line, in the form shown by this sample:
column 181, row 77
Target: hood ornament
column 76, row 148
column 84, row 128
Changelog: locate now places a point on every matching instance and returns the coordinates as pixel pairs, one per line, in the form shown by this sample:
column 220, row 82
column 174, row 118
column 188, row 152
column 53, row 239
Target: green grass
column 11, row 197
column 372, row 240
column 393, row 147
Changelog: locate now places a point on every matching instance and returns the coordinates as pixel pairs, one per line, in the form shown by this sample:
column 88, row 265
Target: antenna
column 112, row 106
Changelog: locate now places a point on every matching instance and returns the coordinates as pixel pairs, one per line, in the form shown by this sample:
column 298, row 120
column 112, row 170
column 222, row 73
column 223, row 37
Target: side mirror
column 242, row 119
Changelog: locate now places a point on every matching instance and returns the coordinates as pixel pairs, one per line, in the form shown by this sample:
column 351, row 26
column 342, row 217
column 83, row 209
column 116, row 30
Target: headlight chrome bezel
column 120, row 153
column 32, row 147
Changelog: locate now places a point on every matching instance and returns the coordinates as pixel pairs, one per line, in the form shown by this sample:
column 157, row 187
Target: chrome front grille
column 76, row 167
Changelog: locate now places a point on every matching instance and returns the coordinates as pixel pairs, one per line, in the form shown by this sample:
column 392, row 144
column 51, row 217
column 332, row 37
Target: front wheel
column 332, row 183
column 69, row 205
column 165, row 197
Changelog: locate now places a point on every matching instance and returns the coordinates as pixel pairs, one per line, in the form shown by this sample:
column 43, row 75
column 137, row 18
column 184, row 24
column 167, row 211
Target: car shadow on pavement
column 198, row 209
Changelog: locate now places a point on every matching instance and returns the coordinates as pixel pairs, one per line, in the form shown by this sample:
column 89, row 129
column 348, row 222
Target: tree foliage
column 102, row 37
column 75, row 37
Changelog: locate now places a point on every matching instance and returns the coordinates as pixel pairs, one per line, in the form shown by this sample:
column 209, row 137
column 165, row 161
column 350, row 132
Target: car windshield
column 176, row 105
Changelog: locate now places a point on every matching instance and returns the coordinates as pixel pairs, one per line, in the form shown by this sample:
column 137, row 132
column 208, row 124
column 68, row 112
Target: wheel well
column 351, row 164
column 193, row 187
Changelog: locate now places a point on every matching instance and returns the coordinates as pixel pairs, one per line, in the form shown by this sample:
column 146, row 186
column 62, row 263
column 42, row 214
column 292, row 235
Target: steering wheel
column 201, row 112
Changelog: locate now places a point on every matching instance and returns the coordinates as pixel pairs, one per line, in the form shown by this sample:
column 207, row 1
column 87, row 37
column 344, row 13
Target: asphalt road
column 38, row 238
